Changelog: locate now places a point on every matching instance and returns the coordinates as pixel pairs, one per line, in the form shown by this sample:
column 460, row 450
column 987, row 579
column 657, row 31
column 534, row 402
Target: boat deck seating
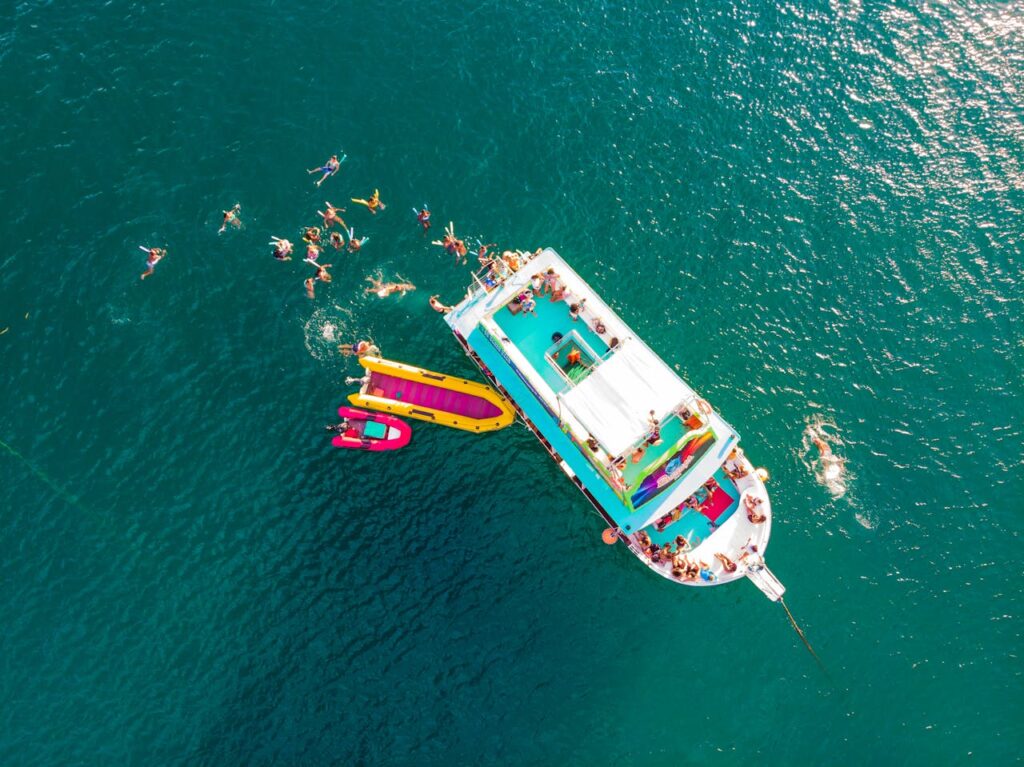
column 532, row 334
column 695, row 525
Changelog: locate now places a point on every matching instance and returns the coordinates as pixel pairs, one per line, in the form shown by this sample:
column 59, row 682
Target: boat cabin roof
column 614, row 403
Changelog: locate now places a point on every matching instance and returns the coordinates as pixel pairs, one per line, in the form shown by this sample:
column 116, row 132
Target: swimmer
column 311, row 234
column 385, row 289
column 360, row 349
column 373, row 204
column 155, row 254
column 355, row 243
column 829, row 469
column 231, row 217
column 337, row 241
column 312, row 254
column 310, row 288
column 282, row 248
column 437, row 306
column 452, row 244
column 423, row 216
column 330, row 216
column 338, row 428
column 321, row 272
column 482, row 254
column 328, row 169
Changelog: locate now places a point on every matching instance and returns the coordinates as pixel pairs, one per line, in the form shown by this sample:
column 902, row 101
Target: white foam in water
column 324, row 329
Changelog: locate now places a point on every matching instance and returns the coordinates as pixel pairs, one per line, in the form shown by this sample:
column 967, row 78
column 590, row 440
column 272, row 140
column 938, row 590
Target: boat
column 394, row 387
column 372, row 431
column 656, row 461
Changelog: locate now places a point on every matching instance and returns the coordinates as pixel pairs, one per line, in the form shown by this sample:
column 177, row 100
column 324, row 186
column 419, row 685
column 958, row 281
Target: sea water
column 812, row 210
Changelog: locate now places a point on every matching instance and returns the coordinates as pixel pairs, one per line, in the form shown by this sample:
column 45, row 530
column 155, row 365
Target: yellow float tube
column 405, row 390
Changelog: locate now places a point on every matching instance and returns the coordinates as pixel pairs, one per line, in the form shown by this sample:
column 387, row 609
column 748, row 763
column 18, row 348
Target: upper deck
column 598, row 383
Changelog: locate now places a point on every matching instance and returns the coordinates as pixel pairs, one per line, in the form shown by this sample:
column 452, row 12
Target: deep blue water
column 813, row 209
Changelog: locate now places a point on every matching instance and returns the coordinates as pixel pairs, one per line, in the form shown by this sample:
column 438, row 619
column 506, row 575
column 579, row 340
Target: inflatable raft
column 416, row 393
column 372, row 431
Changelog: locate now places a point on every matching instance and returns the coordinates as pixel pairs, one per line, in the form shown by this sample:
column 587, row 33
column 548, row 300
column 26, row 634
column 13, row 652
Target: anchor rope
column 803, row 638
column 42, row 476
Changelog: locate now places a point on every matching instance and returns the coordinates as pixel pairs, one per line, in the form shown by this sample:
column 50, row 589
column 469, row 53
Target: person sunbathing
column 727, row 564
column 752, row 502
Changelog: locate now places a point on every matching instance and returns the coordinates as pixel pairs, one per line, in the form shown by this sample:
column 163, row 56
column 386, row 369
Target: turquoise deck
column 531, row 335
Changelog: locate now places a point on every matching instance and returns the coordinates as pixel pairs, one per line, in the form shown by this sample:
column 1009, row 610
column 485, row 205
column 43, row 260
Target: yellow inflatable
column 405, row 390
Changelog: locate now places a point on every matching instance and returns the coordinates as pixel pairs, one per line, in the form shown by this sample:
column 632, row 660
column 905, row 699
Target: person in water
column 452, row 244
column 437, row 306
column 423, row 216
column 282, row 248
column 360, row 349
column 385, row 289
column 154, row 256
column 231, row 217
column 328, row 169
column 311, row 234
column 310, row 288
column 337, row 240
column 373, row 204
column 312, row 253
column 483, row 253
column 338, row 428
column 355, row 243
column 321, row 272
column 330, row 216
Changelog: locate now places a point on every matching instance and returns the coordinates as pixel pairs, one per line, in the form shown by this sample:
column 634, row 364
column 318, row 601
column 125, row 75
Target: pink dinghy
column 372, row 431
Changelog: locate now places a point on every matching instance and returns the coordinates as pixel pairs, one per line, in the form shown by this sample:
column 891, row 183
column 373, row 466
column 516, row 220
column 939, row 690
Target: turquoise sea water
column 814, row 209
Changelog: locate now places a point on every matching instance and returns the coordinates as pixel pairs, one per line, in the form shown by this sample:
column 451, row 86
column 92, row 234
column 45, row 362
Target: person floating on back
column 155, row 254
column 373, row 204
column 231, row 217
column 328, row 169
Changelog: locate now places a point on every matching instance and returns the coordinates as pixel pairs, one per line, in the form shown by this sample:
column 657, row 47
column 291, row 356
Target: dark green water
column 814, row 209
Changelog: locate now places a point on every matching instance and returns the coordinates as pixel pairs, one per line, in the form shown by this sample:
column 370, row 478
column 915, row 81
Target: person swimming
column 423, row 216
column 321, row 272
column 311, row 234
column 310, row 288
column 360, row 349
column 437, row 306
column 328, row 169
column 355, row 244
column 312, row 253
column 282, row 248
column 373, row 204
column 452, row 244
column 337, row 241
column 483, row 255
column 829, row 468
column 330, row 216
column 154, row 256
column 338, row 428
column 231, row 217
column 385, row 289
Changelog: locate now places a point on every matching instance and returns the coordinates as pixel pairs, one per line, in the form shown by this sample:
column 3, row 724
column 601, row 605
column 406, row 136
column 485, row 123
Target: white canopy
column 614, row 402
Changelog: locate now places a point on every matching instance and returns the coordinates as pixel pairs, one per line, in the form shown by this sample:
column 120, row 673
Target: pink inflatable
column 372, row 431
